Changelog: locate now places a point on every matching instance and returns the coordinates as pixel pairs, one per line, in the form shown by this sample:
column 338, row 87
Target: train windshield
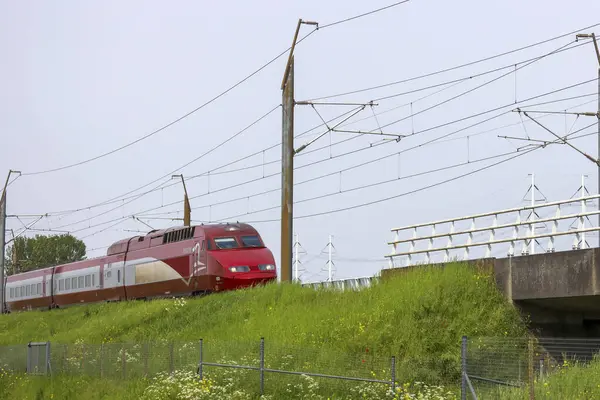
column 226, row 243
column 251, row 241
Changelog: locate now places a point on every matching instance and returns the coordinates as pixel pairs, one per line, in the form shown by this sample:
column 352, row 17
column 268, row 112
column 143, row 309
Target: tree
column 28, row 254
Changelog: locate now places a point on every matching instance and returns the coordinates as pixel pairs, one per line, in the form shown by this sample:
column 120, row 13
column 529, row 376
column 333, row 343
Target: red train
column 179, row 261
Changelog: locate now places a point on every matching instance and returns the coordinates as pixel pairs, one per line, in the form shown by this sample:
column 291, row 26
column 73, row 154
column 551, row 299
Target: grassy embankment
column 419, row 316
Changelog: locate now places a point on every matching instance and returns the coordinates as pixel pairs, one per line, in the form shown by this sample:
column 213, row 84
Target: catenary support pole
column 532, row 251
column 287, row 176
column 287, row 160
column 3, row 240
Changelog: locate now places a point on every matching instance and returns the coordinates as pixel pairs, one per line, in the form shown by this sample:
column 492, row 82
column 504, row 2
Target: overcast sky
column 83, row 78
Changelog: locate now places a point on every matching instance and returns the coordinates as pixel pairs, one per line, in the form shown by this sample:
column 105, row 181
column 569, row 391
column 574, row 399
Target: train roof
column 153, row 238
column 158, row 237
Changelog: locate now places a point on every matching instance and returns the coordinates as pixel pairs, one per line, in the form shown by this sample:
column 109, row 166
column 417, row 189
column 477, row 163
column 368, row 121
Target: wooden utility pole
column 287, row 171
column 287, row 161
column 593, row 37
column 3, row 240
column 187, row 209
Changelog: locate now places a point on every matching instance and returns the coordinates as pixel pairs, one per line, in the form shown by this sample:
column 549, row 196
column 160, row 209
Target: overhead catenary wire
column 134, row 190
column 371, row 161
column 441, row 71
column 475, row 88
column 212, row 171
column 162, row 128
column 361, row 149
column 519, row 154
column 208, row 102
column 366, row 204
column 385, row 182
column 362, row 15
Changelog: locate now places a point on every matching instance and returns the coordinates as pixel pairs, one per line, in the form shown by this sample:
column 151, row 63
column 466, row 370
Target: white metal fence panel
column 540, row 226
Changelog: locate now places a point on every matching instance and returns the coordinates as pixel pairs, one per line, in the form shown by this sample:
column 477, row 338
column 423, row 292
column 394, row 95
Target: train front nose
column 237, row 269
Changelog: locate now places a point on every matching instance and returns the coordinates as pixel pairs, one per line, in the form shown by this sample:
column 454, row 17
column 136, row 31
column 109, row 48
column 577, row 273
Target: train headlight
column 239, row 269
column 266, row 267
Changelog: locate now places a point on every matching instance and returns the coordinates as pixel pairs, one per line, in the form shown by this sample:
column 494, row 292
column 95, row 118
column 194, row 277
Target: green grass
column 418, row 316
column 575, row 382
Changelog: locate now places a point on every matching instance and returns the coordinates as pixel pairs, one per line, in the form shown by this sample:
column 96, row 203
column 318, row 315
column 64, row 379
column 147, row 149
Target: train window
column 81, row 282
column 28, row 290
column 226, row 243
column 61, row 284
column 67, row 284
column 12, row 292
column 93, row 280
column 33, row 287
column 119, row 275
column 39, row 288
column 73, row 283
column 88, row 281
column 251, row 241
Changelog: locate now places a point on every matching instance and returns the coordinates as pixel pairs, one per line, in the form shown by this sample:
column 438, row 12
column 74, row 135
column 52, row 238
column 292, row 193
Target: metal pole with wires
column 287, row 162
column 3, row 240
column 593, row 37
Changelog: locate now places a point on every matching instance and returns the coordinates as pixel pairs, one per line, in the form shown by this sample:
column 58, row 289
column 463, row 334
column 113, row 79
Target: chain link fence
column 496, row 367
column 255, row 367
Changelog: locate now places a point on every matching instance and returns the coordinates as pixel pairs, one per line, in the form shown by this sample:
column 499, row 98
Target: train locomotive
column 178, row 261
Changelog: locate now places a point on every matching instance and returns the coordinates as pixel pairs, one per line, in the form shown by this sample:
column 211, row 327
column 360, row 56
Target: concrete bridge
column 559, row 291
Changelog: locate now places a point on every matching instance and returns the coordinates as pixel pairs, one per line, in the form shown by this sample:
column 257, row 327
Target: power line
column 214, row 148
column 212, row 171
column 172, row 122
column 238, row 83
column 371, row 185
column 391, row 180
column 402, row 194
column 457, row 66
column 491, row 71
column 505, row 106
column 303, row 166
column 323, row 160
column 376, row 183
column 363, row 15
column 475, row 88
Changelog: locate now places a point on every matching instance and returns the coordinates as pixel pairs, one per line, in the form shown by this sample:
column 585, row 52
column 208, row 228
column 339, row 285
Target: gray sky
column 83, row 78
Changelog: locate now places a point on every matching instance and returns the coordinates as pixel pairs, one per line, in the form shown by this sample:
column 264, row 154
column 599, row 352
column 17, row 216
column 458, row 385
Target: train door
column 113, row 275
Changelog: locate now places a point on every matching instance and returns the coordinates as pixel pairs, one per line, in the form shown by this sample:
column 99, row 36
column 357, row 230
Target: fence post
column 530, row 368
column 28, row 358
column 101, row 360
column 200, row 362
column 393, row 375
column 262, row 366
column 463, row 368
column 48, row 365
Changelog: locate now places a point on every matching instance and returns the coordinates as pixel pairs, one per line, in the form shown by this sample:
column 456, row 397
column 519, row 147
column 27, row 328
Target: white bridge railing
column 522, row 231
column 344, row 284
